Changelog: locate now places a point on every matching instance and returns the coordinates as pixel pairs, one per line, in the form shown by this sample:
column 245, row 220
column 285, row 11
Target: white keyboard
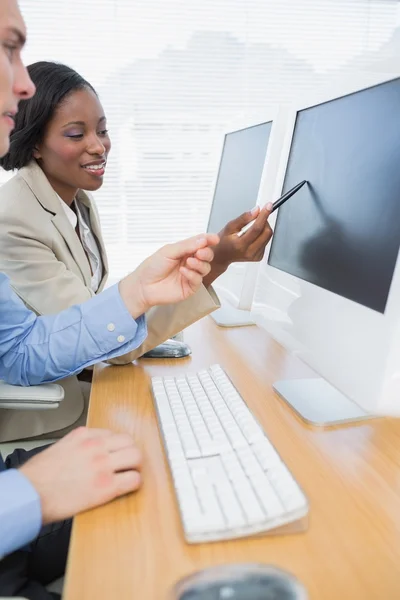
column 229, row 480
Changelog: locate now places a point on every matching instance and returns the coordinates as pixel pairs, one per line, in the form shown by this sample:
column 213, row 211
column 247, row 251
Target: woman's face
column 74, row 150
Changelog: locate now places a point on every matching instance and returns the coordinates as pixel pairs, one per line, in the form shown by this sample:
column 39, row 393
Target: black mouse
column 240, row 582
column 169, row 349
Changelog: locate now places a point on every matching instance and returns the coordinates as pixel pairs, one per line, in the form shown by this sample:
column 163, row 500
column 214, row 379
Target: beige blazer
column 48, row 268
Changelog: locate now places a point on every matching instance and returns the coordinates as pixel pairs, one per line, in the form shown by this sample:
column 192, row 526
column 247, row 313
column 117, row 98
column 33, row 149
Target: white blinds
column 172, row 73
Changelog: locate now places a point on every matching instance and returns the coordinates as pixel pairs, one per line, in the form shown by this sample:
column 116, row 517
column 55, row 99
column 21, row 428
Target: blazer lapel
column 74, row 244
column 87, row 200
column 46, row 196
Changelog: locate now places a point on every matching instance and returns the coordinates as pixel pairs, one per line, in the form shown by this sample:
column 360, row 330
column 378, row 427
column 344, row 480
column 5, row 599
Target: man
column 87, row 467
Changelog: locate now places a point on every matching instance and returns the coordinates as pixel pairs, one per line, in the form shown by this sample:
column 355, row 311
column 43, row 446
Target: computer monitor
column 243, row 181
column 330, row 288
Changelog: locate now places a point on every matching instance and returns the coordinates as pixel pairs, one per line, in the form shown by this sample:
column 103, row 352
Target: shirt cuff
column 20, row 511
column 109, row 322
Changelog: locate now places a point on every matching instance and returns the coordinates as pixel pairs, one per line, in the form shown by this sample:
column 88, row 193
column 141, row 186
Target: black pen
column 288, row 195
column 277, row 204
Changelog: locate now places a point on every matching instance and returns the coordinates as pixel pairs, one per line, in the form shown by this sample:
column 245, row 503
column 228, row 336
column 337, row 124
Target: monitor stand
column 319, row 403
column 228, row 316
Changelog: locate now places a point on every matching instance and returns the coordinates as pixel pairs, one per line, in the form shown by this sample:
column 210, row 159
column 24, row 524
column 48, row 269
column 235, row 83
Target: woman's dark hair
column 53, row 83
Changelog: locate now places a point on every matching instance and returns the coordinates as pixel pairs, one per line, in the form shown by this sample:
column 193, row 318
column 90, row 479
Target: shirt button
column 111, row 327
column 121, row 338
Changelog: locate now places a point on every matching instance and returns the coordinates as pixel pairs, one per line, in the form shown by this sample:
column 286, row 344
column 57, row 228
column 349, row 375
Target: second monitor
column 241, row 184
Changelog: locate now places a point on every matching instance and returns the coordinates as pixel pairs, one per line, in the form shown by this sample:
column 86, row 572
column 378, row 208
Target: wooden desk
column 134, row 548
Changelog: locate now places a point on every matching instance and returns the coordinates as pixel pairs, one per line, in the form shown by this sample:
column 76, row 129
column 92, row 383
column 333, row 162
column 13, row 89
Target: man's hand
column 249, row 247
column 170, row 275
column 86, row 468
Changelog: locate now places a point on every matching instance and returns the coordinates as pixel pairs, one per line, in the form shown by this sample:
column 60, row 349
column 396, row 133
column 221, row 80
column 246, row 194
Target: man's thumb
column 190, row 245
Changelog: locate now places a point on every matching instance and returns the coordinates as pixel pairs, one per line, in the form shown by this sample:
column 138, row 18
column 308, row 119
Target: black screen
column 239, row 174
column 341, row 231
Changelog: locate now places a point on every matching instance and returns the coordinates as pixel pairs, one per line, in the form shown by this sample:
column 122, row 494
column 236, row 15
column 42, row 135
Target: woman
column 51, row 244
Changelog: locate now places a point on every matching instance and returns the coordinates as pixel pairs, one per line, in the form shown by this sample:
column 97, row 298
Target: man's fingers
column 126, row 482
column 126, row 460
column 203, row 268
column 205, row 254
column 190, row 245
column 86, row 437
column 194, row 278
column 118, row 441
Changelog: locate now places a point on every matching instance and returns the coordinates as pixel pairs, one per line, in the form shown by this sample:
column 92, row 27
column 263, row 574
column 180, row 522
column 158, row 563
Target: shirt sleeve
column 20, row 511
column 36, row 350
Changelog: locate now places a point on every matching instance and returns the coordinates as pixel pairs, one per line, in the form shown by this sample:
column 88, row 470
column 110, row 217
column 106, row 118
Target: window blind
column 173, row 74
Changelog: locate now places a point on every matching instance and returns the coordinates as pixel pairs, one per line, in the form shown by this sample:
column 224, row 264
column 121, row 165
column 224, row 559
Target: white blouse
column 89, row 243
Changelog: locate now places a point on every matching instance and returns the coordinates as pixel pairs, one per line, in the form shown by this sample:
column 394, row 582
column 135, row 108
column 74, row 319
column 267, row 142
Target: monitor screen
column 341, row 231
column 239, row 174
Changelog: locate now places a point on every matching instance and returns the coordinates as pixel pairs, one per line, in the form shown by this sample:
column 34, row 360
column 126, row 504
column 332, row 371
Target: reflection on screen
column 239, row 175
column 342, row 230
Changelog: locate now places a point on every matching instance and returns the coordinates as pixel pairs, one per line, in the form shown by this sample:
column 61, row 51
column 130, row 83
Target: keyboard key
column 266, row 454
column 232, row 511
column 289, row 492
column 212, row 517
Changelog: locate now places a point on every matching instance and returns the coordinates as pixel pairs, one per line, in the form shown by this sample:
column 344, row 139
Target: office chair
column 45, row 396
column 37, row 397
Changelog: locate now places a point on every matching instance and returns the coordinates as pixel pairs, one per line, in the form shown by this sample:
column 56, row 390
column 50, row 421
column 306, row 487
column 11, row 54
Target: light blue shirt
column 36, row 350
column 20, row 511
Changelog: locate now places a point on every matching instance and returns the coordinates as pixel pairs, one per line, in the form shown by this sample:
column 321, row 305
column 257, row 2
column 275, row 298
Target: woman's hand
column 249, row 247
column 171, row 275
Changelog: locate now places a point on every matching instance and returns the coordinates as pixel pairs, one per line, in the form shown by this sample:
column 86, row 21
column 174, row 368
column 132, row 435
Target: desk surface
column 134, row 547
